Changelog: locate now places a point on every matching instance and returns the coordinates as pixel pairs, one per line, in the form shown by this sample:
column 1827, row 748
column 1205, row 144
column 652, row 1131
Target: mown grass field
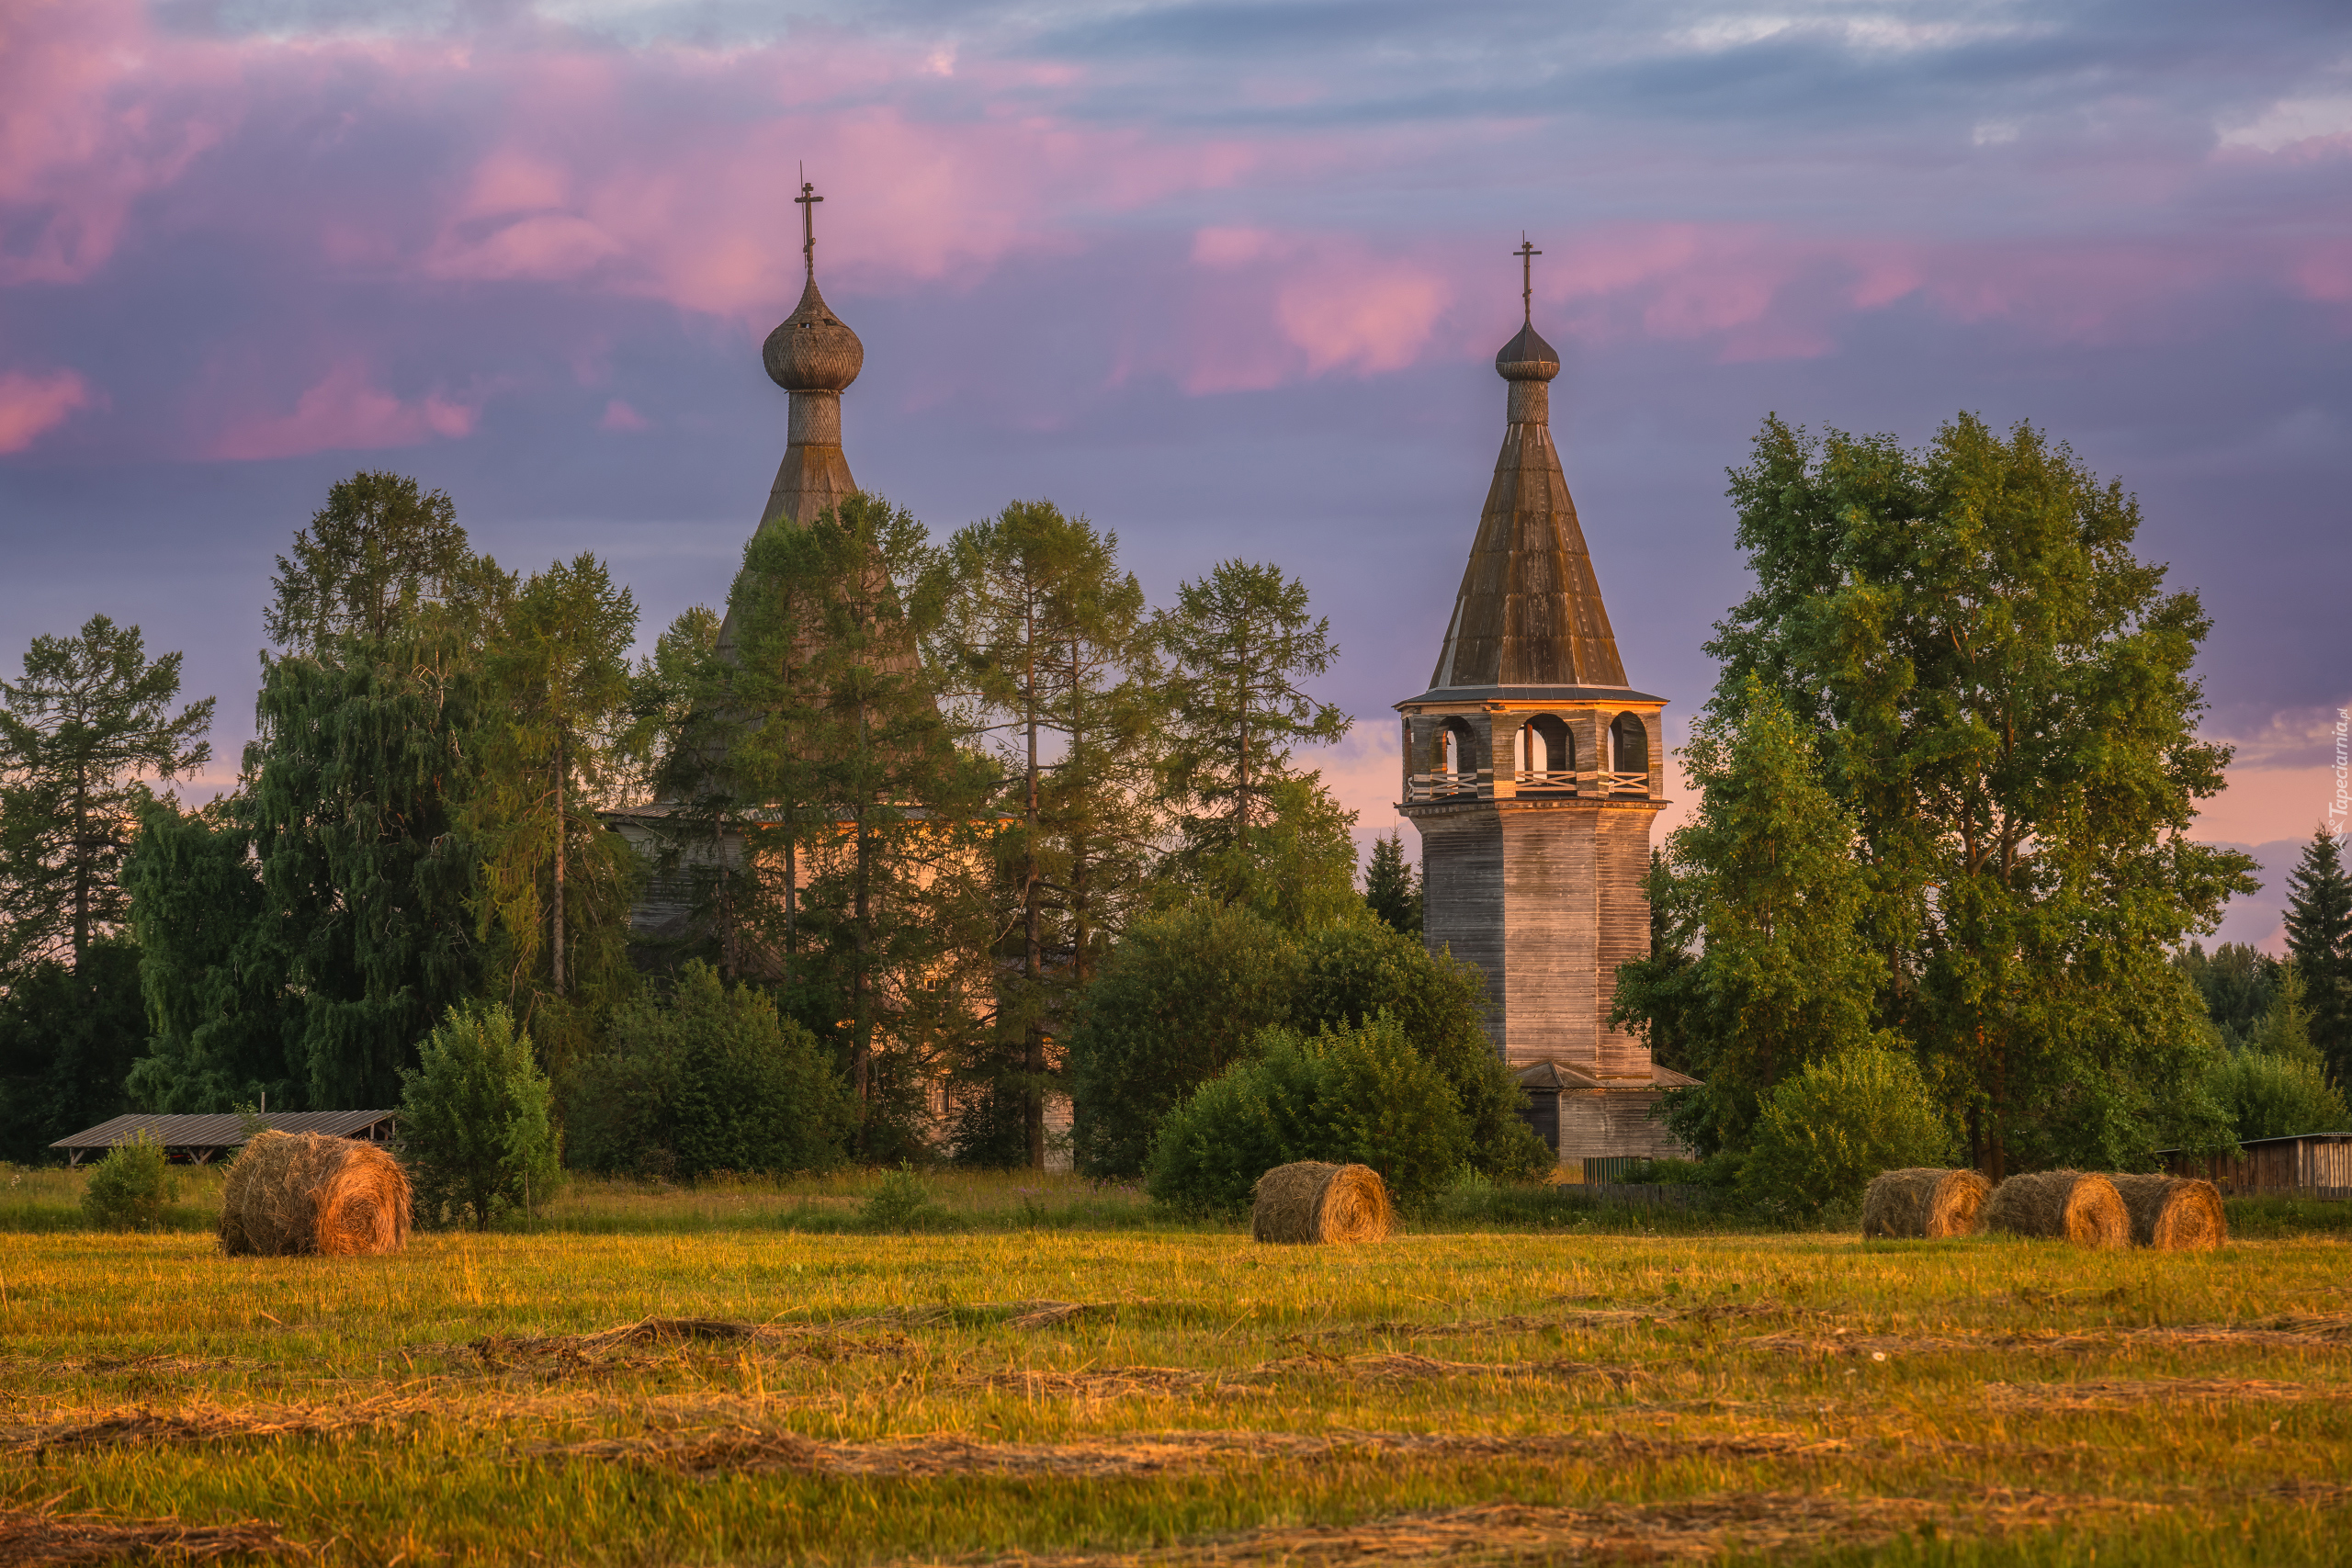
column 1134, row 1390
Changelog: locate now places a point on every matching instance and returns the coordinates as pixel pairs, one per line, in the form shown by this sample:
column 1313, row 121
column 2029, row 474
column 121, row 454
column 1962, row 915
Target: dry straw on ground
column 2061, row 1205
column 1925, row 1203
column 36, row 1538
column 1311, row 1201
column 301, row 1192
column 2173, row 1214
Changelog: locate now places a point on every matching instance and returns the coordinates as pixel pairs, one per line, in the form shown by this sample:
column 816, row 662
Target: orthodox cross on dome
column 806, row 201
column 1527, row 252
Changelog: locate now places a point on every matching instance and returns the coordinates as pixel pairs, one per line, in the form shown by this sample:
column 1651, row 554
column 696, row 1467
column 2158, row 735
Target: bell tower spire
column 1532, row 773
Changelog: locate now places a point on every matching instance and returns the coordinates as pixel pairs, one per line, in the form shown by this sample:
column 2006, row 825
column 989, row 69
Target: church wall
column 1621, row 856
column 1597, row 1124
column 1461, row 880
column 1550, row 922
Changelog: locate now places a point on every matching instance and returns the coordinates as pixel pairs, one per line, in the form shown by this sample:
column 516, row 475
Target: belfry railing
column 1470, row 786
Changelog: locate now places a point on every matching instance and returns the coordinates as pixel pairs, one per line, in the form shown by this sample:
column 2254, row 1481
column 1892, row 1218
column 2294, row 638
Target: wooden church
column 1532, row 771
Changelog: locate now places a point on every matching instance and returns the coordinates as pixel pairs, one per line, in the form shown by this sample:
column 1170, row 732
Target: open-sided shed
column 2305, row 1164
column 196, row 1140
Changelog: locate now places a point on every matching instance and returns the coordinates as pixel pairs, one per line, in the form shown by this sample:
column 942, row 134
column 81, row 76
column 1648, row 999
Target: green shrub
column 2273, row 1096
column 1185, row 997
column 1666, row 1172
column 130, row 1189
column 1179, row 1000
column 712, row 1079
column 1351, row 975
column 1822, row 1135
column 1352, row 1095
column 475, row 1123
column 900, row 1204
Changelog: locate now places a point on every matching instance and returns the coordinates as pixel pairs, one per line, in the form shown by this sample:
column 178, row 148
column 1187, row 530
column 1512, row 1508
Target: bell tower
column 1532, row 773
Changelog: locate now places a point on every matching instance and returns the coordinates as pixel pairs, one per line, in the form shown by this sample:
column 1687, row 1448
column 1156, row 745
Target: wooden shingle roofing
column 1528, row 611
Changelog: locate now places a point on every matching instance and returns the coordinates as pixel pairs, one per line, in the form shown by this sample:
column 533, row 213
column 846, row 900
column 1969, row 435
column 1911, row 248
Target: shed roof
column 218, row 1132
column 2282, row 1138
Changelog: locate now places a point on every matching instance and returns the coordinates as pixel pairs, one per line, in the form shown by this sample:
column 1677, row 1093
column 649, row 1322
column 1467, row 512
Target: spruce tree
column 1391, row 890
column 1239, row 639
column 2318, row 936
column 350, row 816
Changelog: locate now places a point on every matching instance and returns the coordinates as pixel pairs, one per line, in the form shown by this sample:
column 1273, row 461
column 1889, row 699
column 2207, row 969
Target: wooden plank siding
column 2309, row 1164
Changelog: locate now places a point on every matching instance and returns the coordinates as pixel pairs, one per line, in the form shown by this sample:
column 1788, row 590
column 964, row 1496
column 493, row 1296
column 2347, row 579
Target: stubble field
column 1176, row 1396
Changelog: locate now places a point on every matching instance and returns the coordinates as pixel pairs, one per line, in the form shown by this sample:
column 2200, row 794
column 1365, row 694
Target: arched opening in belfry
column 1455, row 750
column 1547, row 751
column 1629, row 744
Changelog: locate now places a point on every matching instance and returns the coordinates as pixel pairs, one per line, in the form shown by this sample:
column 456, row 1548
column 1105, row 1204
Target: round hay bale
column 2061, row 1205
column 1923, row 1203
column 2173, row 1214
column 290, row 1193
column 1311, row 1201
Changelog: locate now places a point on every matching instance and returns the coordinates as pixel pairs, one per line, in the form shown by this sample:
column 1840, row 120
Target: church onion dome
column 1527, row 357
column 812, row 351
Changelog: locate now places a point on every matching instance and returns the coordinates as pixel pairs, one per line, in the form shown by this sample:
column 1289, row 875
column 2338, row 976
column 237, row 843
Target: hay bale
column 300, row 1192
column 1311, row 1201
column 2173, row 1214
column 1926, row 1204
column 2061, row 1205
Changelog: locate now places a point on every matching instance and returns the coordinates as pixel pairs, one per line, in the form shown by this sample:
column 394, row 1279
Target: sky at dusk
column 1227, row 277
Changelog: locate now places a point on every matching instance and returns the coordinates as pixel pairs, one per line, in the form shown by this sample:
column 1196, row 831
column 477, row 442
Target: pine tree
column 2319, row 935
column 476, row 1122
column 376, row 554
column 1239, row 640
column 558, row 688
column 1391, row 888
column 860, row 818
column 1049, row 641
column 91, row 716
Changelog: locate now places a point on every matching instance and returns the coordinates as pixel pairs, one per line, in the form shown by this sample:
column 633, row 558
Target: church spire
column 1528, row 611
column 815, row 357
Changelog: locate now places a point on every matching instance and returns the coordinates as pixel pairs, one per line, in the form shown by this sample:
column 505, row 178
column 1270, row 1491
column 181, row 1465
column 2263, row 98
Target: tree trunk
column 862, row 1039
column 82, row 852
column 562, row 766
column 1033, row 1059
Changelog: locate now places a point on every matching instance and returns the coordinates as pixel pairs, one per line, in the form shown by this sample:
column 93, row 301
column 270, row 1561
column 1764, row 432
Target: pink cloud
column 91, row 119
column 345, row 410
column 31, row 405
column 619, row 416
column 1275, row 306
column 1371, row 317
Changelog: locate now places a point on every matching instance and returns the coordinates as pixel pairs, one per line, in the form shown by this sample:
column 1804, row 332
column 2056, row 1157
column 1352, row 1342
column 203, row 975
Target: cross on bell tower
column 1527, row 252
column 806, row 201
